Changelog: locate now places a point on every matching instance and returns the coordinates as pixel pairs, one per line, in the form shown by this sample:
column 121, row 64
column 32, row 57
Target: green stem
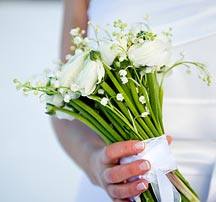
column 100, row 120
column 154, row 97
column 94, row 121
column 85, row 121
column 128, row 101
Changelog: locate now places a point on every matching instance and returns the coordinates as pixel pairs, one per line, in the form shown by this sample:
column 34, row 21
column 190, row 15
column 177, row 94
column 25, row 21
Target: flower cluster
column 114, row 87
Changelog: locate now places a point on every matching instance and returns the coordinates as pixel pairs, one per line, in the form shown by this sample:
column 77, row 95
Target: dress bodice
column 190, row 105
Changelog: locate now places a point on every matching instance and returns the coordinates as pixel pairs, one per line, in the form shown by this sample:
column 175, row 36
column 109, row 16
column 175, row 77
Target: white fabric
column 158, row 153
column 190, row 106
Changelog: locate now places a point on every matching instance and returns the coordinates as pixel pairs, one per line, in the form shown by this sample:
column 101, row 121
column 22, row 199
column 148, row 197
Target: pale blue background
column 33, row 166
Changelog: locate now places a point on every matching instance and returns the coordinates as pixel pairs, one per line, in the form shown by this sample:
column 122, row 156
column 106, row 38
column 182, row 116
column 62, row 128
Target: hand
column 111, row 176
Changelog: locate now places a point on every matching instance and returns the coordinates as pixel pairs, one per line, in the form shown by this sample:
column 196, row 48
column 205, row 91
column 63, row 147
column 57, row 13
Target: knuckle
column 115, row 192
column 109, row 176
column 132, row 170
column 108, row 153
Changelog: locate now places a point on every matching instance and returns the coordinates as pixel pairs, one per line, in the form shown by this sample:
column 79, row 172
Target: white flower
column 78, row 51
column 77, row 40
column 123, row 72
column 67, row 98
column 119, row 97
column 145, row 114
column 62, row 90
column 56, row 100
column 92, row 74
column 124, row 79
column 56, row 84
column 86, row 40
column 74, row 87
column 150, row 53
column 108, row 52
column 75, row 31
column 101, row 91
column 71, row 70
column 68, row 57
column 122, row 56
column 104, row 101
column 142, row 99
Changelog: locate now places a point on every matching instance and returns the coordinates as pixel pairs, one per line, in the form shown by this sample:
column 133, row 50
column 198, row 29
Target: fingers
column 115, row 151
column 121, row 173
column 124, row 191
column 121, row 200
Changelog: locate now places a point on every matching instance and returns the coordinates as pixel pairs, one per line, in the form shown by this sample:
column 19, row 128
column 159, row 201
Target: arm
column 75, row 15
column 100, row 162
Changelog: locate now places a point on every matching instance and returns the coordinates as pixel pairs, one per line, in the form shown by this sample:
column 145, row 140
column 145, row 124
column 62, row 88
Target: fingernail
column 139, row 145
column 145, row 165
column 141, row 186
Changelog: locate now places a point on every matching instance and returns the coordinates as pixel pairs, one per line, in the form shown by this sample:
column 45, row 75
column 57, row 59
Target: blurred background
column 33, row 166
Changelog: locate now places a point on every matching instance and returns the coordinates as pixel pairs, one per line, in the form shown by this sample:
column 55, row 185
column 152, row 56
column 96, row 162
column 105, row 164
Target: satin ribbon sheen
column 158, row 153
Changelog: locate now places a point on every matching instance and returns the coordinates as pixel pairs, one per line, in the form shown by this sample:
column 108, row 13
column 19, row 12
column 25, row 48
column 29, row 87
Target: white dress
column 190, row 106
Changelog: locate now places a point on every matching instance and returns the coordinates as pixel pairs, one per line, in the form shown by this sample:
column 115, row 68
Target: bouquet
column 114, row 85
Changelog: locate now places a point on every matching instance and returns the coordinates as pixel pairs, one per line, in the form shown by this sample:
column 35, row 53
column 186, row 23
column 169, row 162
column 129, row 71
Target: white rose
column 150, row 53
column 71, row 69
column 92, row 74
column 108, row 52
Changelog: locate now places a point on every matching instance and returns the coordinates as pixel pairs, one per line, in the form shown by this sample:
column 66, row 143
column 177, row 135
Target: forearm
column 79, row 141
column 75, row 15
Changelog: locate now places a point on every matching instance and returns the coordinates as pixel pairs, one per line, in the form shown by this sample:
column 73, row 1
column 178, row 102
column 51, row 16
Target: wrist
column 95, row 165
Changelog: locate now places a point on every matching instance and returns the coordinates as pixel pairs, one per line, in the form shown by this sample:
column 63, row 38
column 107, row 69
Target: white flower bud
column 77, row 40
column 123, row 72
column 104, row 101
column 119, row 97
column 124, row 79
column 145, row 114
column 142, row 99
column 101, row 91
column 67, row 98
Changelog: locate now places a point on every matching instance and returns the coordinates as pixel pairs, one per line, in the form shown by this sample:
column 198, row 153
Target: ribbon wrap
column 158, row 153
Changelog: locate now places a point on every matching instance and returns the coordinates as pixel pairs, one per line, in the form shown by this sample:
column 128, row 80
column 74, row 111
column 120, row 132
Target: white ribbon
column 158, row 153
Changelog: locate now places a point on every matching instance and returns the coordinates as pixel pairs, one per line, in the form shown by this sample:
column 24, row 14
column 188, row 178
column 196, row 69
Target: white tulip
column 71, row 69
column 92, row 74
column 150, row 53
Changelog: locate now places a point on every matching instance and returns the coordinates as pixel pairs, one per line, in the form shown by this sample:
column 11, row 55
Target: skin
column 99, row 161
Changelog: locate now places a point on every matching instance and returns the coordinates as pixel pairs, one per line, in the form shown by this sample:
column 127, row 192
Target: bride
column 189, row 108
